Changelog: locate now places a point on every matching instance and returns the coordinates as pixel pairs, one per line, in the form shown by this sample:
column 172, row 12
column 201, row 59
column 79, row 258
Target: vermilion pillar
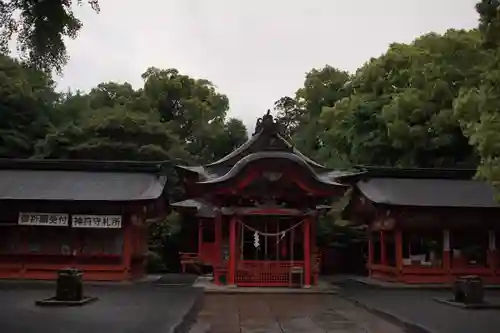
column 446, row 251
column 315, row 258
column 398, row 239
column 492, row 250
column 307, row 252
column 128, row 236
column 383, row 256
column 232, row 251
column 200, row 235
column 218, row 237
column 370, row 248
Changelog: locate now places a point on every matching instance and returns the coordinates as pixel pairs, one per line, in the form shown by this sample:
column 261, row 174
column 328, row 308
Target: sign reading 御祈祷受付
column 96, row 221
column 43, row 219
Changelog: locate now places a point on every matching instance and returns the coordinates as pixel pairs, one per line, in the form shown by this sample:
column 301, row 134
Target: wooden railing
column 189, row 259
column 266, row 273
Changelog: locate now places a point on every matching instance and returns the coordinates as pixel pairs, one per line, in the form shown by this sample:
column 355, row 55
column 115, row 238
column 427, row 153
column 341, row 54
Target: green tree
column 400, row 111
column 489, row 21
column 113, row 134
column 322, row 88
column 290, row 114
column 216, row 140
column 173, row 117
column 27, row 100
column 478, row 106
column 41, row 27
column 112, row 94
column 300, row 115
column 478, row 110
column 194, row 111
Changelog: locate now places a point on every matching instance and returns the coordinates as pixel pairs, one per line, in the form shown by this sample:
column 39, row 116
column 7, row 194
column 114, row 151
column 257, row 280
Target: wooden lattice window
column 101, row 241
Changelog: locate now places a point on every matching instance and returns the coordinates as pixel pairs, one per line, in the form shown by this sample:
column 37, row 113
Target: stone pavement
column 120, row 309
column 266, row 313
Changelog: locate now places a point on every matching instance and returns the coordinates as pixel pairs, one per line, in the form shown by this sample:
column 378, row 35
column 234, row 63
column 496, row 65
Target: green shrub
column 154, row 263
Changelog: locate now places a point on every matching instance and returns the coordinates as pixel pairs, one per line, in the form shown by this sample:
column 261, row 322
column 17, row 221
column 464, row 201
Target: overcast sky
column 254, row 51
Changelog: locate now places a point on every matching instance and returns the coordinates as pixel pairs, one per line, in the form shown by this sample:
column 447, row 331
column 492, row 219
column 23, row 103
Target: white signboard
column 96, row 221
column 43, row 219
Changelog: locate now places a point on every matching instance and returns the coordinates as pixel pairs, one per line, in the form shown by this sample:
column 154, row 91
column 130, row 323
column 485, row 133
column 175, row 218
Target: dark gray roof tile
column 202, row 207
column 79, row 185
column 429, row 192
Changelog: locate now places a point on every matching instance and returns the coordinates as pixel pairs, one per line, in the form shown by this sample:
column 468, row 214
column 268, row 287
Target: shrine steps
column 210, row 287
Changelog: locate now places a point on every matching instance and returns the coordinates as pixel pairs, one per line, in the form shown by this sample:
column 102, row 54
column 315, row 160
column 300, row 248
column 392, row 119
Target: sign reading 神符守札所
column 43, row 219
column 96, row 221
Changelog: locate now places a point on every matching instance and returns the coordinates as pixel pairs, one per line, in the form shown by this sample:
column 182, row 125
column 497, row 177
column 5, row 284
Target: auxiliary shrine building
column 426, row 225
column 88, row 215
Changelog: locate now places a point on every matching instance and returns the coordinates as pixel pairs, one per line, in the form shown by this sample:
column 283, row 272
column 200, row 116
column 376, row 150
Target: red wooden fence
column 252, row 273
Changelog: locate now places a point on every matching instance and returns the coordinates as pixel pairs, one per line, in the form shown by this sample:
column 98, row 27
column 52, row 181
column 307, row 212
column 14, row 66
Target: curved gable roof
column 266, row 139
column 270, row 155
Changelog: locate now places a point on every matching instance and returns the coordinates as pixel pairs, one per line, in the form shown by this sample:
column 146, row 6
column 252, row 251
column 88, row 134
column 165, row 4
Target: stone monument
column 468, row 293
column 69, row 290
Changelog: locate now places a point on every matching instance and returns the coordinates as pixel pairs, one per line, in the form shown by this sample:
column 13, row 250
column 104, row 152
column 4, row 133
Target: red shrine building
column 426, row 225
column 81, row 214
column 256, row 211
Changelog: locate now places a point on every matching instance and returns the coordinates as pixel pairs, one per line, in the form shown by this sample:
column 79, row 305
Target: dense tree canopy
column 173, row 117
column 195, row 111
column 429, row 103
column 478, row 105
column 300, row 115
column 400, row 110
column 27, row 99
column 489, row 23
column 40, row 27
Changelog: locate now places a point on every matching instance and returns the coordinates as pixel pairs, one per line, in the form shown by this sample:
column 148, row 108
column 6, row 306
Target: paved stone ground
column 418, row 306
column 268, row 313
column 120, row 309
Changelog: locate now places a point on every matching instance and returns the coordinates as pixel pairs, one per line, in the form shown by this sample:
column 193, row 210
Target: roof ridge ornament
column 267, row 124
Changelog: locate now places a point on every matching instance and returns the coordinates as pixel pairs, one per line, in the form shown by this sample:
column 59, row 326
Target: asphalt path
column 419, row 307
column 120, row 309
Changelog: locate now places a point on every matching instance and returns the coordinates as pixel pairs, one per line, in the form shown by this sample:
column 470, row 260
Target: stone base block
column 476, row 306
column 52, row 301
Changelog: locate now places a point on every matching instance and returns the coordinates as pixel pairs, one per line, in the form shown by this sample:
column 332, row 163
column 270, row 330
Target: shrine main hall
column 256, row 210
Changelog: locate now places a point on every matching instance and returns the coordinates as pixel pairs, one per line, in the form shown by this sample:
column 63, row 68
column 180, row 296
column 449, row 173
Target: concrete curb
column 210, row 288
column 28, row 283
column 408, row 325
column 270, row 292
column 401, row 286
column 189, row 318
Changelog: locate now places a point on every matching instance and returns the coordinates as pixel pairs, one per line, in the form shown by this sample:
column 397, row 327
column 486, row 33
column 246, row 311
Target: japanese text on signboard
column 96, row 221
column 43, row 219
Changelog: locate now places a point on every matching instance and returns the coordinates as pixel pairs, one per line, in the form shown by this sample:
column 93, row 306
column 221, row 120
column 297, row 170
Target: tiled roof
column 80, row 180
